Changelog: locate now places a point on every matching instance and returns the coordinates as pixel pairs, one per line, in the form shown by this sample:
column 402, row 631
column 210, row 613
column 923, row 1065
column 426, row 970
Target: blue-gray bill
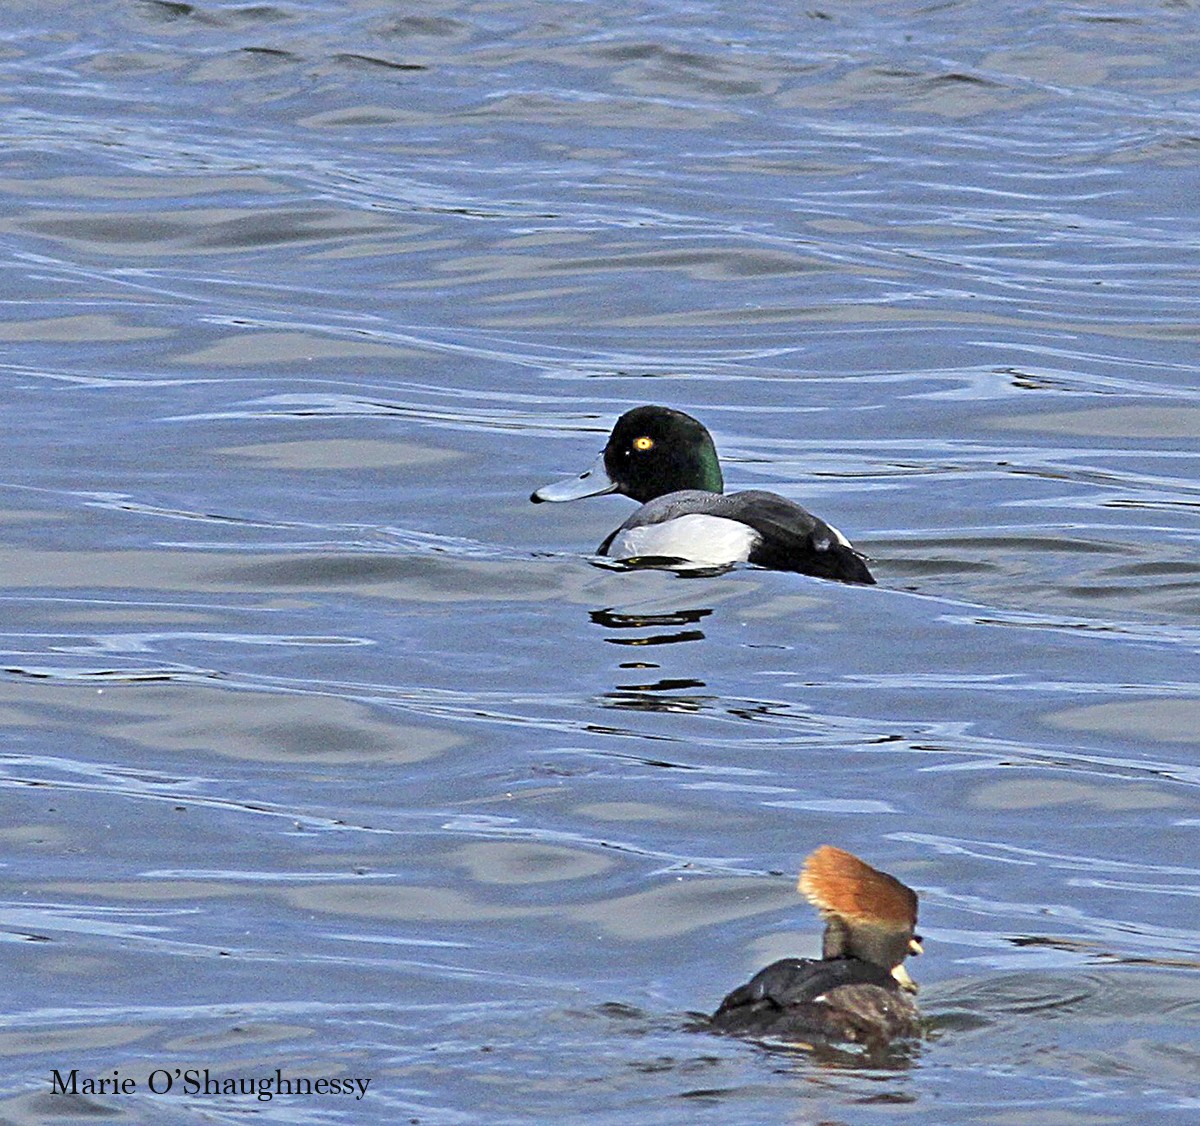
column 591, row 482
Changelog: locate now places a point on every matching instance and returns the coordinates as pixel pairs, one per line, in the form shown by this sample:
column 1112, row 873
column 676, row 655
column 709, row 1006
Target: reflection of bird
column 858, row 990
column 666, row 460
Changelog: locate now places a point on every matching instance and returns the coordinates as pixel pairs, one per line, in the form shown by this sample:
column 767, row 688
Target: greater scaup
column 666, row 460
column 858, row 990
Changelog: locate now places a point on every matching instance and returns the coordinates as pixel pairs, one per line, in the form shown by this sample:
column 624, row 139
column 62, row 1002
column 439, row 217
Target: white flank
column 838, row 536
column 699, row 538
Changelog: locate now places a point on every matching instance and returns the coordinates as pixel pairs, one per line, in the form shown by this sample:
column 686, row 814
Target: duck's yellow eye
column 643, row 444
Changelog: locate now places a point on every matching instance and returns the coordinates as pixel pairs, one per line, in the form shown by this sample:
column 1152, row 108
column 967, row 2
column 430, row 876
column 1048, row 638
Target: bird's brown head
column 868, row 914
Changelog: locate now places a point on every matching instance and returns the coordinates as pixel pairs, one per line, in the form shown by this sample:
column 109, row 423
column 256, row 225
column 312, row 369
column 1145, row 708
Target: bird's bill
column 592, row 482
column 906, row 982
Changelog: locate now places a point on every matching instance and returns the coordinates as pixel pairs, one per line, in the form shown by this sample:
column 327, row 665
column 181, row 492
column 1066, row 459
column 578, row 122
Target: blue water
column 324, row 750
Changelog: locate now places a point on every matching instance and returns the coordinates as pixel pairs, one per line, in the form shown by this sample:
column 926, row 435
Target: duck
column 667, row 462
column 858, row 991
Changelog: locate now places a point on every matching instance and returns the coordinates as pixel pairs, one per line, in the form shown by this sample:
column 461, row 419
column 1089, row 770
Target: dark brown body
column 804, row 999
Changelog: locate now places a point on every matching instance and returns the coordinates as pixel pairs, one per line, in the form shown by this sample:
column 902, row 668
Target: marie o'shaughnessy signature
column 202, row 1081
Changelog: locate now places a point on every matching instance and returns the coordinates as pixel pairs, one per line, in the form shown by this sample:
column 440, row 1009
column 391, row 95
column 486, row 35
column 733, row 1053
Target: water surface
column 324, row 750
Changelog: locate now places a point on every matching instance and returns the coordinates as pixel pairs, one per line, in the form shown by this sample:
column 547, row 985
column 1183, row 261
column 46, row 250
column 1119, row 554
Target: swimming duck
column 666, row 460
column 858, row 990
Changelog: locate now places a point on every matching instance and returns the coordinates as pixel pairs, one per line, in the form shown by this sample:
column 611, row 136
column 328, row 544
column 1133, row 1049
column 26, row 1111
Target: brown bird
column 858, row 990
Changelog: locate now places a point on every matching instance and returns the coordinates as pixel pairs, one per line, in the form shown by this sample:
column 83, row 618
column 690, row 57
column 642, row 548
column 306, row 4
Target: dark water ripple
column 324, row 750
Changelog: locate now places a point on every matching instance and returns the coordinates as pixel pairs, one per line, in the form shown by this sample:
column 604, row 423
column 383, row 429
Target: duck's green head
column 655, row 450
column 651, row 451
